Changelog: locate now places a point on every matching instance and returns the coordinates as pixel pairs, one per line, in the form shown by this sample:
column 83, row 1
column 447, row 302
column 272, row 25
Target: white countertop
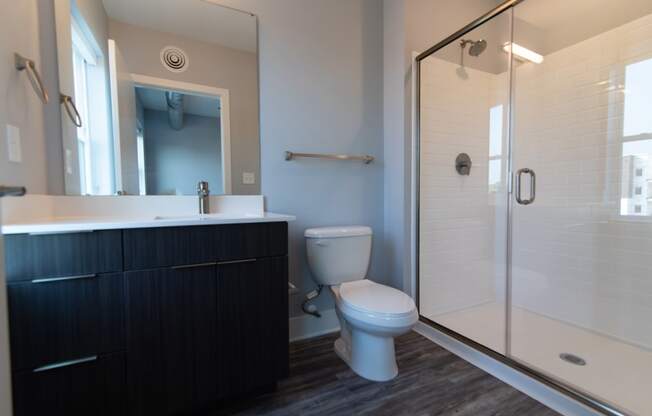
column 71, row 224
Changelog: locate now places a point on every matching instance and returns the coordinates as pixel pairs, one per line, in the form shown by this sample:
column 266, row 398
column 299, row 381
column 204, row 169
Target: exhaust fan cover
column 174, row 59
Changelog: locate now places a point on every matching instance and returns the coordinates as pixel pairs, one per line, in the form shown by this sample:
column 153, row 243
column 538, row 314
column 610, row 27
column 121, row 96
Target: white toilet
column 370, row 314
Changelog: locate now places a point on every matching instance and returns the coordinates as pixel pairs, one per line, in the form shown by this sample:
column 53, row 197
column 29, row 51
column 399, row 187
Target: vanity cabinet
column 180, row 319
column 173, row 339
column 94, row 386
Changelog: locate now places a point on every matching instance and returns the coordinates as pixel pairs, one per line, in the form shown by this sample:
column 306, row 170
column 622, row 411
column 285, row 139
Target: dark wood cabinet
column 250, row 298
column 157, row 321
column 92, row 386
column 173, row 344
column 146, row 248
column 67, row 254
column 55, row 320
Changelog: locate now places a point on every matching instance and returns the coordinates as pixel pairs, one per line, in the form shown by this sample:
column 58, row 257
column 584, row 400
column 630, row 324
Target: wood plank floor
column 431, row 381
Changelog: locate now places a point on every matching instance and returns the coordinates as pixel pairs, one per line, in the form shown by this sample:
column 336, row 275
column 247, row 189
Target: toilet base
column 370, row 356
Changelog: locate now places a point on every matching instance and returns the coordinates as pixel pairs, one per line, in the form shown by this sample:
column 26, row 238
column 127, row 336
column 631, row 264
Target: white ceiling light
column 523, row 54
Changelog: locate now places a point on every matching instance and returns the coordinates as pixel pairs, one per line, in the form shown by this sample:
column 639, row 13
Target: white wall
column 458, row 228
column 409, row 26
column 576, row 258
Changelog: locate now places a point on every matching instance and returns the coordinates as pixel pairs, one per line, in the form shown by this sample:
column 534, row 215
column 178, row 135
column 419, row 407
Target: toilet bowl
column 370, row 314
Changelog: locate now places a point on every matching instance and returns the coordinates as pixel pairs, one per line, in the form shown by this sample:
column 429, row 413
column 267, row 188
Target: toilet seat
column 376, row 304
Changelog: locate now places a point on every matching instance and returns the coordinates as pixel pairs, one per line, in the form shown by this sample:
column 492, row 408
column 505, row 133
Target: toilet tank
column 338, row 254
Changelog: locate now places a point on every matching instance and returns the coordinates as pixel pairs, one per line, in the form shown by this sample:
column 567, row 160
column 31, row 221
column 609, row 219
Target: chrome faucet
column 202, row 193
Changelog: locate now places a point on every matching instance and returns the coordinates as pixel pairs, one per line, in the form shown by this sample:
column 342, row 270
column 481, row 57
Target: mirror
column 157, row 95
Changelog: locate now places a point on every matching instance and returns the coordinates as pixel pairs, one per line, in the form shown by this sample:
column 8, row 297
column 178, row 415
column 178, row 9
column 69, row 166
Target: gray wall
column 175, row 160
column 212, row 65
column 41, row 169
column 321, row 91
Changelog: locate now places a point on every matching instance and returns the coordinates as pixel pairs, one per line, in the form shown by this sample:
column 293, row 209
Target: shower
column 547, row 275
column 476, row 48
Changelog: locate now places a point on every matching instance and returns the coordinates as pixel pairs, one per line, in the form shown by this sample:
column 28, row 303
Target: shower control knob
column 463, row 164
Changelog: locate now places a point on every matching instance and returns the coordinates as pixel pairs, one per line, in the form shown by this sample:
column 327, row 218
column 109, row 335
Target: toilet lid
column 368, row 296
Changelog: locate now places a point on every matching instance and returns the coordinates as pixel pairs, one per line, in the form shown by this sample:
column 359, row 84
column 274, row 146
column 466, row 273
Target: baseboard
column 308, row 326
column 533, row 388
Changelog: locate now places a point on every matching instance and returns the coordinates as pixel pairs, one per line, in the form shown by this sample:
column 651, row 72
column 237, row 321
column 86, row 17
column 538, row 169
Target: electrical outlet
column 13, row 144
column 248, row 178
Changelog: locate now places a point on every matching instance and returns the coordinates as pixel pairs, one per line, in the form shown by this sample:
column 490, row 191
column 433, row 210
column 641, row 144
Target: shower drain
column 572, row 358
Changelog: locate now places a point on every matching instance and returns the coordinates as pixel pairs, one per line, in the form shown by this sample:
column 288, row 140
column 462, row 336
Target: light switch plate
column 248, row 178
column 13, row 144
column 68, row 161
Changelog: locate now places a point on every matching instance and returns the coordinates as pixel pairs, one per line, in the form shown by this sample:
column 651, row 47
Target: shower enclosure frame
column 505, row 359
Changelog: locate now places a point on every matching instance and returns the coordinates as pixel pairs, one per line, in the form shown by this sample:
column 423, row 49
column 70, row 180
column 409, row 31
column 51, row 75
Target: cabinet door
column 91, row 386
column 172, row 339
column 253, row 324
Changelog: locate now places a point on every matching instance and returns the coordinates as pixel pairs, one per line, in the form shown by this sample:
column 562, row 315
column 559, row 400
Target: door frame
column 147, row 81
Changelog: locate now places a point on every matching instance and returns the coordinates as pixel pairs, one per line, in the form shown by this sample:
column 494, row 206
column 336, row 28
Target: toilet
column 370, row 314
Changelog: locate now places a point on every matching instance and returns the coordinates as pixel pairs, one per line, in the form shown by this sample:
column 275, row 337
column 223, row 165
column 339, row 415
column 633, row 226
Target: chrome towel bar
column 364, row 158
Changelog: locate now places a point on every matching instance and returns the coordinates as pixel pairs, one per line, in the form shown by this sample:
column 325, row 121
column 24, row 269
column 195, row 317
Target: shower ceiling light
column 522, row 53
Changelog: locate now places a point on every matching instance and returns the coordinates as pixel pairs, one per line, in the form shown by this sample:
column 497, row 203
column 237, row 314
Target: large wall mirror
column 156, row 96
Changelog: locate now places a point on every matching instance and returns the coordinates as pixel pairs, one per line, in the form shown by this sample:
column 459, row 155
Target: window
column 495, row 147
column 140, row 149
column 636, row 162
column 83, row 57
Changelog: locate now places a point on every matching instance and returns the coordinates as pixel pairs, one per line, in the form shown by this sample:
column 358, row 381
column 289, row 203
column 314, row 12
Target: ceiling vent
column 174, row 59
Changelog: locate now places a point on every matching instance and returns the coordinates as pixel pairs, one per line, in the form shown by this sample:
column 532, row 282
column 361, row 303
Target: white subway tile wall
column 576, row 257
column 462, row 223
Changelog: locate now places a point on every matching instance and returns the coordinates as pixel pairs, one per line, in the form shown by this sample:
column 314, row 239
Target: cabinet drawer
column 162, row 247
column 40, row 256
column 55, row 320
column 86, row 386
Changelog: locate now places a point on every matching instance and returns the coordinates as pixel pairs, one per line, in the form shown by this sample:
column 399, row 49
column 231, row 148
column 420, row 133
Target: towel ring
column 28, row 66
column 69, row 104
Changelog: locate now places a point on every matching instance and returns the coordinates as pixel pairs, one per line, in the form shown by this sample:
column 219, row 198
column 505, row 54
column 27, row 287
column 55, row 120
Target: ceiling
column 561, row 23
column 196, row 19
column 154, row 99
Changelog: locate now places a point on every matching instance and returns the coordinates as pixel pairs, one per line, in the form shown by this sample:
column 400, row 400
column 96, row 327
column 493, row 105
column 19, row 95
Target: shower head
column 477, row 46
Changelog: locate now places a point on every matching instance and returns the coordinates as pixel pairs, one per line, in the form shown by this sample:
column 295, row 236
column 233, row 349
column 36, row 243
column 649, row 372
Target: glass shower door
column 581, row 253
column 464, row 110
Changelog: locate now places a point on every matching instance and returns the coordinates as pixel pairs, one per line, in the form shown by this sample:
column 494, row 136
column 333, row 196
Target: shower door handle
column 533, row 186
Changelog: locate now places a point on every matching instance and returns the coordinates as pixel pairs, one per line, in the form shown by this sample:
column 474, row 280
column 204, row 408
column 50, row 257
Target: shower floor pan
column 614, row 371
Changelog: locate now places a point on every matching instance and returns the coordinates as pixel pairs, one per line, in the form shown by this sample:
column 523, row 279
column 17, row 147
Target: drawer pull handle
column 192, row 266
column 59, row 279
column 236, row 261
column 60, row 232
column 63, row 364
